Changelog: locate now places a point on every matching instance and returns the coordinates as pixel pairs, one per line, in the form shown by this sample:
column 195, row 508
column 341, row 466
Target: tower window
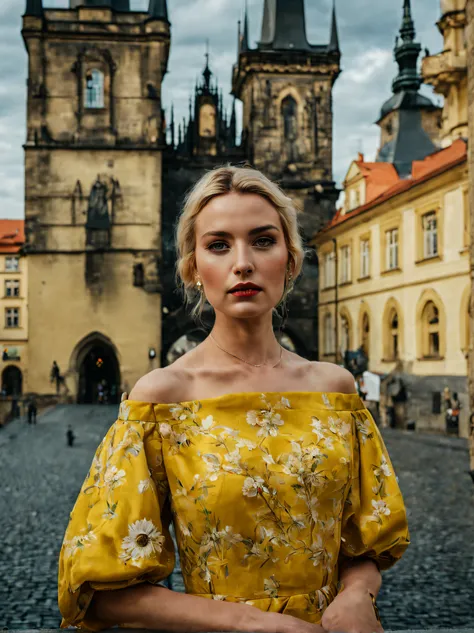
column 94, row 89
column 138, row 275
column 289, row 109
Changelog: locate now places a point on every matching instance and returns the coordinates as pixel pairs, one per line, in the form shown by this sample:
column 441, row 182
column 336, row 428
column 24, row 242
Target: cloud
column 367, row 33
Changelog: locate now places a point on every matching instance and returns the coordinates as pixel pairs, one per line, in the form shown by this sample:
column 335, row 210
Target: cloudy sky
column 367, row 33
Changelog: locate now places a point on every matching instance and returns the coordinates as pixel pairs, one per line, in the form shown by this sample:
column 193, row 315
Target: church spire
column 245, row 36
column 334, row 43
column 34, row 8
column 207, row 72
column 158, row 10
column 284, row 26
column 407, row 52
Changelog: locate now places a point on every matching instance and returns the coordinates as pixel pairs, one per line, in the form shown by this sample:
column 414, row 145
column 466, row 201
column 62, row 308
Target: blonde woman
column 279, row 486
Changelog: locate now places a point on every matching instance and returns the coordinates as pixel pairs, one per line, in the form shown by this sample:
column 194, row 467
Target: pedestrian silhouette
column 70, row 436
column 32, row 411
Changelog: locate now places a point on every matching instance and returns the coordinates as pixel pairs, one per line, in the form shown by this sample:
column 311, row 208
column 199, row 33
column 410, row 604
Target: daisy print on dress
column 143, row 541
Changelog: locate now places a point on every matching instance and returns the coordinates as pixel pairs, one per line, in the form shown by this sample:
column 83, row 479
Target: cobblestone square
column 432, row 587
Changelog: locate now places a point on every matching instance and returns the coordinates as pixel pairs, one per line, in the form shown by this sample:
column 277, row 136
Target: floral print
column 268, row 493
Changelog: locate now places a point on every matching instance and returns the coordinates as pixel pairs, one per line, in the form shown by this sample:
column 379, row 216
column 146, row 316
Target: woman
column 283, row 497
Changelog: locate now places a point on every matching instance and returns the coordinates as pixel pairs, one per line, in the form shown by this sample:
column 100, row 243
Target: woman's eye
column 267, row 241
column 262, row 242
column 214, row 246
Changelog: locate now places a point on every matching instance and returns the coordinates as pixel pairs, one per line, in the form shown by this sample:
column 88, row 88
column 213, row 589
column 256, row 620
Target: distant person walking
column 70, row 437
column 32, row 411
column 56, row 376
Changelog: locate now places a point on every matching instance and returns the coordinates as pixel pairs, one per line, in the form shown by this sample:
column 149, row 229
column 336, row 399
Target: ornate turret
column 407, row 52
column 411, row 137
column 158, row 10
column 34, row 8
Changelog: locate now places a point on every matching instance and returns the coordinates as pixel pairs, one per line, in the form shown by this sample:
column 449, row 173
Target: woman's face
column 239, row 239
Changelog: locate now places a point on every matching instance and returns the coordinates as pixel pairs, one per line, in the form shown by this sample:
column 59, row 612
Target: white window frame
column 345, row 254
column 12, row 317
column 329, row 269
column 12, row 288
column 12, row 264
column 364, row 258
column 328, row 334
column 94, row 93
column 430, row 235
column 392, row 249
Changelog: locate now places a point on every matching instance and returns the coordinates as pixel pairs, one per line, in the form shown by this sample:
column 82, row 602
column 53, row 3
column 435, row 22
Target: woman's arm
column 157, row 608
column 361, row 573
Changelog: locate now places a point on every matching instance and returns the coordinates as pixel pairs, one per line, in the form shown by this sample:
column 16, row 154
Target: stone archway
column 12, row 381
column 96, row 362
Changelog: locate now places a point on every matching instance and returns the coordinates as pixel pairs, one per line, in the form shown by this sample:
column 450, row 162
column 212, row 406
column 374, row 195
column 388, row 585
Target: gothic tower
column 410, row 122
column 285, row 84
column 93, row 164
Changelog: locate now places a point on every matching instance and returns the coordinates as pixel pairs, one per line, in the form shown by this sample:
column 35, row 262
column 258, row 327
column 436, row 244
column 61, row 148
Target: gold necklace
column 245, row 361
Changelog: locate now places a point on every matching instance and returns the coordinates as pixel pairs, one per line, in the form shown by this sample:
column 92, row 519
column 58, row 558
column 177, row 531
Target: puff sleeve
column 374, row 520
column 118, row 532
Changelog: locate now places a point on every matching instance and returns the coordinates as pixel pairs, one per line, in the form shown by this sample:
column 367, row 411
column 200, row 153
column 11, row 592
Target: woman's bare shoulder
column 164, row 385
column 332, row 378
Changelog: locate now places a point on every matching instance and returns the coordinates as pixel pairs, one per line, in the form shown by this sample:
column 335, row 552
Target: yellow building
column 14, row 309
column 447, row 71
column 394, row 267
column 402, row 289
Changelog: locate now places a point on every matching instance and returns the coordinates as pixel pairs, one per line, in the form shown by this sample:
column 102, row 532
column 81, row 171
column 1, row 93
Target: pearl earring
column 199, row 285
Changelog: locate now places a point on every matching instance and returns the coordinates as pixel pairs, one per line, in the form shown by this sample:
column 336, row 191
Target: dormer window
column 94, row 89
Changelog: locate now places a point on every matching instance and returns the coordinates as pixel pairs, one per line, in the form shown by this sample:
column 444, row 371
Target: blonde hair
column 218, row 182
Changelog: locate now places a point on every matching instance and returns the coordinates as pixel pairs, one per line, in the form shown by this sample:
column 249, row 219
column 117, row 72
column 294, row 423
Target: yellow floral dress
column 268, row 493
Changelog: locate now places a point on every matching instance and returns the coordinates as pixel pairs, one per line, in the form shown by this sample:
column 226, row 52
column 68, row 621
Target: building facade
column 394, row 260
column 106, row 176
column 93, row 164
column 14, row 309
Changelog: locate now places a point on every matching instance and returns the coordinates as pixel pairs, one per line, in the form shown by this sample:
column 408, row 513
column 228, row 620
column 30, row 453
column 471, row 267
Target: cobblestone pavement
column 431, row 587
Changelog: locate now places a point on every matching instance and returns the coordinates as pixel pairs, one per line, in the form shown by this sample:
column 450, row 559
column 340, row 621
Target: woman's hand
column 352, row 611
column 281, row 623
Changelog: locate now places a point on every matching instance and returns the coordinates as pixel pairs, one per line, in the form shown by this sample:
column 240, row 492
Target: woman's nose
column 243, row 263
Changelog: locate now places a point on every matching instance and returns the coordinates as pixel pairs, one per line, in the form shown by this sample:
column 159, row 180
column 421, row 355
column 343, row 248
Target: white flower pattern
column 254, row 493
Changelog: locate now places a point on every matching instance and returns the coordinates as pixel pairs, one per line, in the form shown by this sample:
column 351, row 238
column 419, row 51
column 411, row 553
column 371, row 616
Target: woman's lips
column 251, row 292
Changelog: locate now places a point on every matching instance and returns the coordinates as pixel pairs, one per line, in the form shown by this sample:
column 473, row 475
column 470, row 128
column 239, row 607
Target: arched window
column 431, row 331
column 328, row 334
column 394, row 334
column 289, row 110
column 94, row 89
column 345, row 335
column 138, row 275
column 365, row 334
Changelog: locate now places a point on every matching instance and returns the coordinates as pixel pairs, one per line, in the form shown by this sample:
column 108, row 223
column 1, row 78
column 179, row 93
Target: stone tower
column 285, row 84
column 410, row 122
column 447, row 71
column 93, row 164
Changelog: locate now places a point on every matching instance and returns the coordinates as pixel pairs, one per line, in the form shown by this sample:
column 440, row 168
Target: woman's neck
column 253, row 341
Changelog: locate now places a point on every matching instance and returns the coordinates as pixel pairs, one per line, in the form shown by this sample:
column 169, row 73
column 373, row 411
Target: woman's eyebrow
column 260, row 229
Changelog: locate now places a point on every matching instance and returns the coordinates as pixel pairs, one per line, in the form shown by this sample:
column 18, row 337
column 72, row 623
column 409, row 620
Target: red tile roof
column 378, row 177
column 12, row 235
column 423, row 170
